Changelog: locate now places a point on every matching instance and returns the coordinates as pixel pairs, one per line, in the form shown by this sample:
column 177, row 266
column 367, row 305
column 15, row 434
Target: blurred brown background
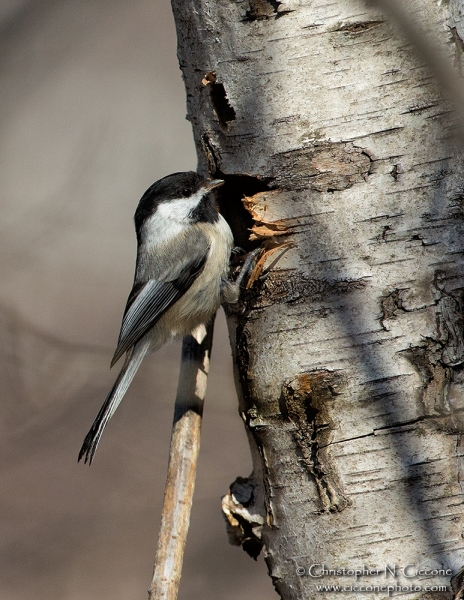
column 92, row 112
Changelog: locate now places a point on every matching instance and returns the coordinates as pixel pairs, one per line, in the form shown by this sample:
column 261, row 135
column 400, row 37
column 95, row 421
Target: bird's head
column 176, row 200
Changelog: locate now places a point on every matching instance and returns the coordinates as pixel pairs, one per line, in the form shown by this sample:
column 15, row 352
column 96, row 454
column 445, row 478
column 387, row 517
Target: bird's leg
column 248, row 266
column 230, row 290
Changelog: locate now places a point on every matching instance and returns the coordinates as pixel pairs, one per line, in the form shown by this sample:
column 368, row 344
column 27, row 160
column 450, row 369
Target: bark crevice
column 261, row 10
column 224, row 110
column 306, row 402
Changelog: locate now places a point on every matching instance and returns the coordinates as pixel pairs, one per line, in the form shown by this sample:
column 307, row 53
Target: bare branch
column 183, row 455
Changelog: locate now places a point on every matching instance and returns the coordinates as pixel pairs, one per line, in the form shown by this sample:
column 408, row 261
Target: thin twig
column 183, row 455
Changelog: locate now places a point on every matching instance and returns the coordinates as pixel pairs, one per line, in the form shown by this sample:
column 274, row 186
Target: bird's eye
column 186, row 192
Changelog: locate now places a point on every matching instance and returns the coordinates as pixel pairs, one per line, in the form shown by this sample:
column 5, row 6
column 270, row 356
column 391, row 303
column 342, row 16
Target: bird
column 181, row 277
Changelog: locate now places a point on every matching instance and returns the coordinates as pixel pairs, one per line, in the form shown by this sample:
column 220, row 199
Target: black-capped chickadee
column 181, row 277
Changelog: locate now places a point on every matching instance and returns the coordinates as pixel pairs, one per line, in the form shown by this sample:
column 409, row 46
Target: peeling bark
column 334, row 142
column 244, row 525
column 324, row 168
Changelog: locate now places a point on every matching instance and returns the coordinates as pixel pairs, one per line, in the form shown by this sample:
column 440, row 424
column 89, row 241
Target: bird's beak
column 214, row 183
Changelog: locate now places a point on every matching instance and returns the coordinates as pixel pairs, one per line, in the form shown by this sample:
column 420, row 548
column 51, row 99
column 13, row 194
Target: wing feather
column 150, row 300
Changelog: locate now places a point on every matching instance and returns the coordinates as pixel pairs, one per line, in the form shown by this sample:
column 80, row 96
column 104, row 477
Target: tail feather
column 133, row 359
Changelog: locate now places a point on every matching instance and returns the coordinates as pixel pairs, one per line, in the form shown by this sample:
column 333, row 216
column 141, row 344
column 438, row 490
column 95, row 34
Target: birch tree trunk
column 332, row 134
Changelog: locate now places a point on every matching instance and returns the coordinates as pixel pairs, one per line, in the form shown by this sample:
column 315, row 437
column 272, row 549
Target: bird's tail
column 129, row 369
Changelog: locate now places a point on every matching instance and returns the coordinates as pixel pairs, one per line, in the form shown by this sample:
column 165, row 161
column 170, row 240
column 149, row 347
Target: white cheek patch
column 170, row 218
column 179, row 209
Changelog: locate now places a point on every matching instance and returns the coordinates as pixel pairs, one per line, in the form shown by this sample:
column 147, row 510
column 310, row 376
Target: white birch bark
column 350, row 353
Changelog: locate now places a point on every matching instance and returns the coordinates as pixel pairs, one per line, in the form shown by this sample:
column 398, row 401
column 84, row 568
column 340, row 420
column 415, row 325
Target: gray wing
column 149, row 300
